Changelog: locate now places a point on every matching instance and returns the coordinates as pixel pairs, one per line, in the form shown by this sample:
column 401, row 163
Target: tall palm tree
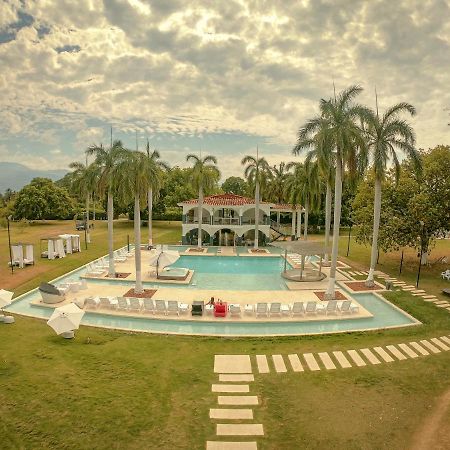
column 340, row 116
column 155, row 167
column 276, row 186
column 133, row 183
column 304, row 188
column 319, row 148
column 84, row 181
column 257, row 172
column 384, row 136
column 107, row 160
column 204, row 176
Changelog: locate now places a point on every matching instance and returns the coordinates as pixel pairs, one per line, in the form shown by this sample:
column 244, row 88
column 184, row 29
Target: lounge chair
column 311, row 308
column 173, row 307
column 275, row 308
column 220, row 309
column 135, row 304
column 331, row 307
column 50, row 293
column 197, row 307
column 92, row 271
column 298, row 309
column 261, row 309
column 285, row 309
column 161, row 306
column 149, row 305
column 249, row 309
column 347, row 307
column 122, row 303
column 105, row 302
column 235, row 310
column 91, row 303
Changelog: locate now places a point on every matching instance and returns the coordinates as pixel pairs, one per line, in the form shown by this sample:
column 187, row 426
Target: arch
column 190, row 238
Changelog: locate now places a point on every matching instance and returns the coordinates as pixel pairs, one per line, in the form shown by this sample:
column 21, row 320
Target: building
column 229, row 219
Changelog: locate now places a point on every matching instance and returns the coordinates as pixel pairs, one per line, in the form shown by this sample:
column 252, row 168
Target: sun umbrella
column 163, row 258
column 66, row 318
column 5, row 298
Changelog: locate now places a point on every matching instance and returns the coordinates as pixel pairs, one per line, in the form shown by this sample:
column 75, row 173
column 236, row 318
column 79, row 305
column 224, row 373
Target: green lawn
column 110, row 389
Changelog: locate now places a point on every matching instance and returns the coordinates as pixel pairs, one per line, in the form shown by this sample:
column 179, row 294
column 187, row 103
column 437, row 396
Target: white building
column 229, row 219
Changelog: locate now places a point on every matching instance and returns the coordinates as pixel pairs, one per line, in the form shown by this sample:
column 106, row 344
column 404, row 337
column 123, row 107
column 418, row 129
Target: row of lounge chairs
column 99, row 267
column 305, row 308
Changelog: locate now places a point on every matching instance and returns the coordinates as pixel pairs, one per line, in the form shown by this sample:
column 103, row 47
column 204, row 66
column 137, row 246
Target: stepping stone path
column 342, row 360
column 263, row 366
column 278, row 362
column 295, row 363
column 311, row 361
column 327, row 362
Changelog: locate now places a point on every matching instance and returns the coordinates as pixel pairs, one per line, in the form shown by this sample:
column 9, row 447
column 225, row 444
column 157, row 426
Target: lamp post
column 422, row 223
column 9, row 243
column 85, row 232
column 349, row 236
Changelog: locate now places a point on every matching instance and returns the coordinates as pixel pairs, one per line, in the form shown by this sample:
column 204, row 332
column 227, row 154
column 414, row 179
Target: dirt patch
column 196, row 250
column 148, row 293
column 258, row 250
column 119, row 275
column 337, row 295
column 434, row 433
column 360, row 286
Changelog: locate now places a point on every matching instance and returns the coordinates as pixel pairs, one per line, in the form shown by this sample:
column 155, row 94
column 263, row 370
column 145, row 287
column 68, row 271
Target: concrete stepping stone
column 370, row 356
column 261, row 362
column 237, row 400
column 442, row 305
column 239, row 377
column 232, row 364
column 445, row 339
column 411, row 353
column 356, row 358
column 311, row 361
column 396, row 352
column 342, row 360
column 279, row 364
column 232, row 414
column 230, row 388
column 430, row 346
column 429, row 296
column 240, row 429
column 419, row 348
column 419, row 291
column 384, row 354
column 221, row 445
column 440, row 344
column 430, row 300
column 295, row 363
column 327, row 361
column 408, row 288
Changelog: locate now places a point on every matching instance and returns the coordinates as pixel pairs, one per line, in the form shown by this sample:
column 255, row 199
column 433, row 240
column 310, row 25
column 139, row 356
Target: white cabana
column 55, row 248
column 18, row 258
column 5, row 300
column 66, row 319
column 72, row 242
column 163, row 258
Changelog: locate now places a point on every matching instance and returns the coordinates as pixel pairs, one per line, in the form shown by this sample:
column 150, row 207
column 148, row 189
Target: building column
column 293, row 224
column 299, row 224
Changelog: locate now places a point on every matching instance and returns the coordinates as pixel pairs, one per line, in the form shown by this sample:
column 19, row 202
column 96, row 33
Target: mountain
column 15, row 176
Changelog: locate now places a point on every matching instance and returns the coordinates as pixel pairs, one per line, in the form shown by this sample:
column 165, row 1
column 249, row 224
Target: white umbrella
column 162, row 259
column 5, row 298
column 66, row 318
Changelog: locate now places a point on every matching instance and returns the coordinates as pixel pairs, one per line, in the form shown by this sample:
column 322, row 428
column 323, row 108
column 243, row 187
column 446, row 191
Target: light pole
column 349, row 236
column 422, row 223
column 9, row 243
column 85, row 232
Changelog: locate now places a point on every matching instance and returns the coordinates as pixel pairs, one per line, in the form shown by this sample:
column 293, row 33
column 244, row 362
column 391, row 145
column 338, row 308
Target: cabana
column 55, row 248
column 17, row 251
column 304, row 249
column 72, row 242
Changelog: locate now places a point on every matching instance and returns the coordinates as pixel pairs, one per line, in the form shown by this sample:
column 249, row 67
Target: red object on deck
column 220, row 310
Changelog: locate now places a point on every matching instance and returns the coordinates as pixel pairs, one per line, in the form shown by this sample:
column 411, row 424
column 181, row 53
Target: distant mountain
column 15, row 176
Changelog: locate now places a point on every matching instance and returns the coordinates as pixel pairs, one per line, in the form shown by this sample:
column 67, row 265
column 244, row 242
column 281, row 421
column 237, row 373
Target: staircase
column 280, row 231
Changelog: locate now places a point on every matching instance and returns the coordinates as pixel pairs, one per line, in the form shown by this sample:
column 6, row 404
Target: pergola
column 303, row 248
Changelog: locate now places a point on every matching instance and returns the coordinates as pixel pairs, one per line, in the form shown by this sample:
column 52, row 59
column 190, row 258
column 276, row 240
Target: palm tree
column 257, row 171
column 276, row 186
column 384, row 135
column 304, row 187
column 204, row 176
column 339, row 116
column 84, row 181
column 133, row 183
column 107, row 160
column 320, row 149
column 155, row 168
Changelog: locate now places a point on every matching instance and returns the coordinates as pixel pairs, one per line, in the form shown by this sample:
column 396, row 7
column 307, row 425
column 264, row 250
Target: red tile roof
column 223, row 200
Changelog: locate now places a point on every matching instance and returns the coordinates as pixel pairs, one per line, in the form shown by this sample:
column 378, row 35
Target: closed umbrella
column 65, row 319
column 163, row 258
column 5, row 300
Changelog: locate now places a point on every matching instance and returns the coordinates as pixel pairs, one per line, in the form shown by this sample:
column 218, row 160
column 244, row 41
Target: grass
column 110, row 389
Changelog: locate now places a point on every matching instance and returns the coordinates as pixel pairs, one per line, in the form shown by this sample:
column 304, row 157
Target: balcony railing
column 227, row 221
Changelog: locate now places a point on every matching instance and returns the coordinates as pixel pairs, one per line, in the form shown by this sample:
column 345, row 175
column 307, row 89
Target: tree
column 276, row 191
column 155, row 168
column 235, row 185
column 339, row 116
column 42, row 199
column 107, row 160
column 257, row 172
column 384, row 136
column 204, row 175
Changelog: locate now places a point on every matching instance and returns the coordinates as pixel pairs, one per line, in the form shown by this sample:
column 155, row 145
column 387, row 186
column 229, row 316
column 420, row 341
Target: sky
column 209, row 77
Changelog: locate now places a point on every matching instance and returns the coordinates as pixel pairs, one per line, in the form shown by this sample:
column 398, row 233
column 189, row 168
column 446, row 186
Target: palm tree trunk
column 88, row 234
column 150, row 215
column 138, row 289
column 200, row 216
column 326, row 261
column 256, row 215
column 376, row 227
column 330, row 293
column 112, row 270
column 298, row 232
column 305, row 232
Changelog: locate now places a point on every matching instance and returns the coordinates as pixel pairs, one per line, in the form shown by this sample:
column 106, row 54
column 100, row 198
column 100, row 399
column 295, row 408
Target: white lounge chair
column 347, row 307
column 311, row 308
column 149, row 305
column 135, row 304
column 331, row 307
column 184, row 307
column 235, row 309
column 285, row 309
column 104, row 302
column 122, row 303
column 173, row 307
column 275, row 309
column 298, row 309
column 261, row 309
column 91, row 303
column 161, row 306
column 249, row 309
